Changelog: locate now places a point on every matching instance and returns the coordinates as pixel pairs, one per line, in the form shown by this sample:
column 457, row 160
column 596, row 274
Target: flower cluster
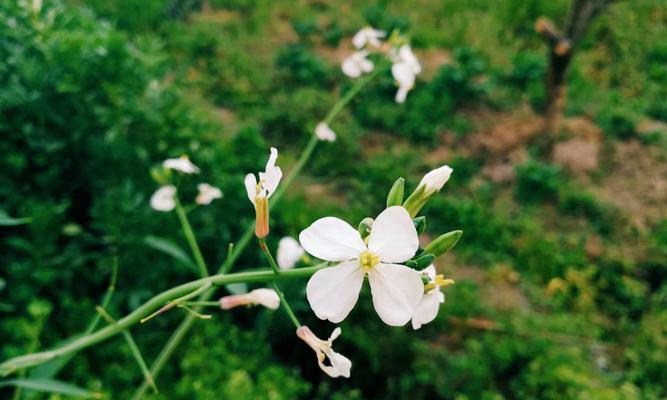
column 164, row 199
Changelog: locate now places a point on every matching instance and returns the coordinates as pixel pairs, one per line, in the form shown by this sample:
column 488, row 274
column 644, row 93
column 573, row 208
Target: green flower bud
column 443, row 243
column 395, row 196
column 365, row 227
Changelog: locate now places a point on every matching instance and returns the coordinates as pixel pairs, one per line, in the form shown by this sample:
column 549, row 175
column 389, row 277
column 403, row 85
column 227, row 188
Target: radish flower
column 339, row 364
column 164, row 198
column 207, row 194
column 357, row 64
column 368, row 36
column 181, row 164
column 259, row 192
column 289, row 252
column 324, row 132
column 396, row 289
column 264, row 297
column 405, row 69
column 436, row 179
column 428, row 306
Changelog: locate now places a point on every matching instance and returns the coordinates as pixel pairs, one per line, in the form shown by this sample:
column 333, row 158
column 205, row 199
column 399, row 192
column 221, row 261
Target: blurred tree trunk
column 561, row 50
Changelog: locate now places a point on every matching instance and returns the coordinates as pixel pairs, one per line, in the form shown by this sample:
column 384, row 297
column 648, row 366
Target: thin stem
column 190, row 237
column 269, row 256
column 286, row 305
column 265, row 275
column 201, row 303
column 136, row 353
column 178, row 301
column 247, row 235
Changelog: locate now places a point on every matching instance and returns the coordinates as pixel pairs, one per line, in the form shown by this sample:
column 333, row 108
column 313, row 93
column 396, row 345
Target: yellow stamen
column 438, row 281
column 368, row 260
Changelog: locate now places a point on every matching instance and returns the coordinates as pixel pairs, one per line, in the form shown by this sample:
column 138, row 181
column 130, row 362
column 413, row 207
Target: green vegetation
column 561, row 275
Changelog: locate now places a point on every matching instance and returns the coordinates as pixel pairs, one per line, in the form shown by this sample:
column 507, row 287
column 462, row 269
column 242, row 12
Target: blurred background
column 555, row 127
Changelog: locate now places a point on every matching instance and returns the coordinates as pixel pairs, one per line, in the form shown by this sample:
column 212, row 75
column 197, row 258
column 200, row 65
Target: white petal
column 403, row 74
column 340, row 365
column 332, row 292
column 207, row 194
column 366, row 65
column 289, row 252
column 393, row 236
column 406, row 54
column 332, row 239
column 163, row 199
column 396, row 291
column 251, row 187
column 324, row 132
column 402, row 94
column 350, row 67
column 427, row 309
column 266, row 297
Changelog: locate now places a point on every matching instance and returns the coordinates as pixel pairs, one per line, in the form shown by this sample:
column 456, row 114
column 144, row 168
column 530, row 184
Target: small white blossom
column 428, row 306
column 357, row 64
column 207, row 194
column 181, row 164
column 289, row 252
column 264, row 297
column 325, row 133
column 368, row 36
column 405, row 69
column 268, row 180
column 164, row 198
column 396, row 289
column 340, row 365
column 436, row 179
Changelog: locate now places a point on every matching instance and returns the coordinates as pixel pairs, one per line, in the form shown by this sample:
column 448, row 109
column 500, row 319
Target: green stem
column 266, row 275
column 307, row 152
column 269, row 256
column 201, row 303
column 286, row 306
column 190, row 237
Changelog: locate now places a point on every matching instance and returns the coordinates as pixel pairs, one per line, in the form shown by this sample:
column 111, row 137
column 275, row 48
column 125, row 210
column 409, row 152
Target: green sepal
column 420, row 224
column 365, row 227
column 395, row 196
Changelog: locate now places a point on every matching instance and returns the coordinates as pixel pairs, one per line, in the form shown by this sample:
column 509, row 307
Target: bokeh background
column 561, row 273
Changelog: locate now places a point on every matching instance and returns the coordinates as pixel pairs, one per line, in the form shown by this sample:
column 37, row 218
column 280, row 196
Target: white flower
column 163, row 199
column 265, row 297
column 369, row 36
column 427, row 309
column 268, row 180
column 436, row 179
column 324, row 132
column 396, row 289
column 405, row 69
column 207, row 194
column 357, row 64
column 181, row 164
column 340, row 365
column 289, row 252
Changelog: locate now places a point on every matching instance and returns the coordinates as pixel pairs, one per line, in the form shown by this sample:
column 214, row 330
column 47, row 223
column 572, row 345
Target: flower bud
column 264, row 297
column 261, row 217
column 395, row 196
column 431, row 183
column 365, row 227
column 443, row 243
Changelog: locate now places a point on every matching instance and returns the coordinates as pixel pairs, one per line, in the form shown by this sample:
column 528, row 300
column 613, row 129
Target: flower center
column 368, row 260
column 438, row 281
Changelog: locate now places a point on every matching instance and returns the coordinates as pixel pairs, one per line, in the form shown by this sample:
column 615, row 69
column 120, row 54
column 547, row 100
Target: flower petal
column 332, row 292
column 332, row 239
column 427, row 309
column 396, row 291
column 251, row 187
column 340, row 365
column 393, row 236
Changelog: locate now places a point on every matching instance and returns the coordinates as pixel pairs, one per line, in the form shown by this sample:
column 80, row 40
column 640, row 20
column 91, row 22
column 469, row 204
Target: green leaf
column 51, row 386
column 6, row 220
column 171, row 249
